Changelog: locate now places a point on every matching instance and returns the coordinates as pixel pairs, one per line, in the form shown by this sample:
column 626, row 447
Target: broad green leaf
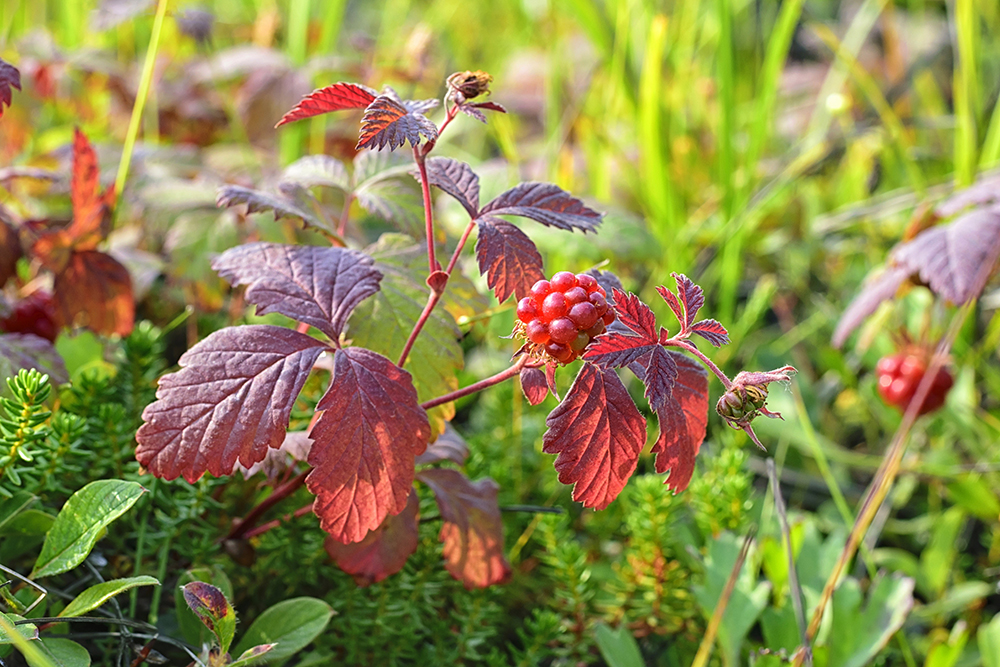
column 254, row 656
column 80, row 522
column 857, row 635
column 974, row 495
column 61, row 653
column 28, row 523
column 292, row 624
column 28, row 631
column 96, row 595
column 937, row 558
column 988, row 638
column 213, row 609
column 618, row 647
column 11, row 507
column 191, row 628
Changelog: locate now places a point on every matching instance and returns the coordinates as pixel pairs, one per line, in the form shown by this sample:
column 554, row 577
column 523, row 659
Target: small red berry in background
column 900, row 374
column 34, row 314
column 562, row 315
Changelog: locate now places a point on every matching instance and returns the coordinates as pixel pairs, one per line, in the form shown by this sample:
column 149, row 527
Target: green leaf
column 80, row 522
column 96, row 595
column 988, row 638
column 191, row 628
column 946, row 653
column 213, row 609
column 62, row 653
column 856, row 635
column 938, row 557
column 28, row 523
column 292, row 624
column 28, row 631
column 11, row 507
column 974, row 495
column 254, row 656
column 618, row 647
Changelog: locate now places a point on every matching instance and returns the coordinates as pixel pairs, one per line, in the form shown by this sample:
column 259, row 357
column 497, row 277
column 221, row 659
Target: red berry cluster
column 34, row 314
column 900, row 374
column 564, row 314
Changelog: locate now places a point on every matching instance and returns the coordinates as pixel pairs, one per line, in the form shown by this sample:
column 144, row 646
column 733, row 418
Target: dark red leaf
column 230, row 401
column 473, row 530
column 507, row 256
column 882, row 288
column 683, row 420
column 26, row 350
column 616, row 350
column 691, row 296
column 672, row 301
column 311, row 284
column 89, row 206
column 597, row 433
column 608, row 280
column 364, row 444
column 533, row 385
column 384, row 551
column 473, row 109
column 388, row 123
column 550, row 379
column 207, row 602
column 712, row 331
column 95, row 291
column 661, row 374
column 547, row 204
column 636, row 315
column 457, row 179
column 10, row 77
column 449, row 446
column 337, row 97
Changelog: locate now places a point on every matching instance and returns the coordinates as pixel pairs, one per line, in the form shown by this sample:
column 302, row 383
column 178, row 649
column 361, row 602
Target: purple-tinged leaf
column 311, row 284
column 258, row 201
column 449, row 446
column 230, row 401
column 712, row 331
column 882, row 288
column 473, row 109
column 10, row 77
column 984, row 192
column 388, row 123
column 413, row 106
column 507, row 256
column 617, row 350
column 691, row 296
column 672, row 301
column 472, row 532
column 533, row 385
column 636, row 315
column 332, row 98
column 597, row 433
column 20, row 350
column 364, row 444
column 323, row 170
column 661, row 374
column 455, row 178
column 384, row 551
column 683, row 421
column 212, row 608
column 196, row 24
column 547, row 204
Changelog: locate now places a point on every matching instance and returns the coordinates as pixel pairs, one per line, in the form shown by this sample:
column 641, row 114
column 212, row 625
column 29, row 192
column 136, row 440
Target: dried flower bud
column 744, row 400
column 464, row 86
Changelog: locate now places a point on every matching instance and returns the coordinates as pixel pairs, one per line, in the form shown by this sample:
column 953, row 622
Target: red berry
column 540, row 289
column 586, row 281
column 554, row 306
column 584, row 315
column 600, row 303
column 537, row 332
column 576, row 295
column 35, row 314
column 527, row 309
column 562, row 330
column 562, row 353
column 597, row 329
column 899, row 376
column 562, row 281
column 609, row 316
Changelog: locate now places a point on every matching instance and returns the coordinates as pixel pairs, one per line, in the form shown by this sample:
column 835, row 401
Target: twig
column 477, row 386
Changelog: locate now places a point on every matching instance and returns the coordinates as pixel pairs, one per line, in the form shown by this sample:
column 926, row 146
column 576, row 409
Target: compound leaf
column 661, row 373
column 636, row 315
column 472, row 532
column 10, row 77
column 311, row 284
column 337, row 97
column 364, row 444
column 509, row 258
column 617, row 350
column 712, row 331
column 94, row 290
column 384, row 551
column 688, row 301
column 388, row 123
column 230, row 401
column 545, row 203
column 597, row 433
column 455, row 178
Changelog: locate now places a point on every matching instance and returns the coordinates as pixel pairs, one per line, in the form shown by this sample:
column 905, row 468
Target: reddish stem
column 458, row 248
column 246, row 524
column 683, row 344
column 432, row 300
column 425, row 187
column 478, row 386
column 342, row 225
column 264, row 527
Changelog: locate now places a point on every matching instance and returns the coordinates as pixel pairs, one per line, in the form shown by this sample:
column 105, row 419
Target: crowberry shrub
column 379, row 426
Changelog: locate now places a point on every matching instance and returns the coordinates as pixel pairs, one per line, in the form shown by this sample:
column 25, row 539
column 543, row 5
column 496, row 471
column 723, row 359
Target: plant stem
column 425, row 187
column 683, row 344
column 274, row 523
column 432, row 300
column 245, row 525
column 458, row 248
column 478, row 386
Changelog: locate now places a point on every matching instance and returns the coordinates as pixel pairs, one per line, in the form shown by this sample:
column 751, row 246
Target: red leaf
column 509, row 258
column 89, row 206
column 473, row 109
column 616, row 350
column 597, row 433
column 10, row 77
column 547, row 204
column 388, row 123
column 95, row 291
column 712, row 331
column 672, row 301
column 337, row 97
column 636, row 315
column 683, row 420
column 311, row 284
column 230, row 401
column 10, row 251
column 492, row 106
column 384, row 551
column 449, row 446
column 364, row 444
column 533, row 385
column 661, row 374
column 691, row 296
column 457, row 179
column 473, row 530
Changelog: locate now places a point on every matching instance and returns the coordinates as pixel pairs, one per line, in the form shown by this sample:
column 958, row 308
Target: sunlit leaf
column 388, row 123
column 547, row 204
column 508, row 258
column 95, row 291
column 597, row 433
column 712, row 331
column 10, row 77
column 311, row 284
column 89, row 206
column 364, row 444
column 635, row 315
column 472, row 532
column 384, row 551
column 332, row 98
column 455, row 178
column 96, row 595
column 533, row 385
column 230, row 401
